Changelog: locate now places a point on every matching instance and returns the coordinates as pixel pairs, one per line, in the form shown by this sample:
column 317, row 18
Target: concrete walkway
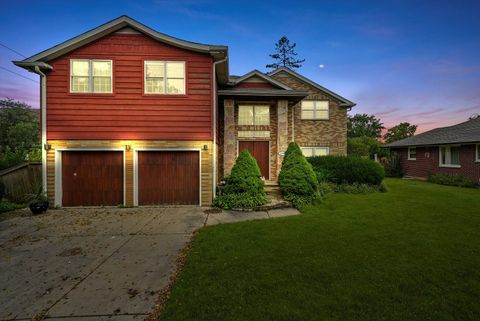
column 97, row 263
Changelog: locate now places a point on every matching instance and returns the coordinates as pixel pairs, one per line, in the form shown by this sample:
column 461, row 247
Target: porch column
column 282, row 131
column 229, row 136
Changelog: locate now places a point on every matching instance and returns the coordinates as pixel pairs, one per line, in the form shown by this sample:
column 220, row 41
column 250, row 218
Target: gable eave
column 217, row 51
column 343, row 101
column 261, row 75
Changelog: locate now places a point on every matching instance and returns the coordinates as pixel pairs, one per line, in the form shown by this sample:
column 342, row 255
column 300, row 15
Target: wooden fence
column 21, row 180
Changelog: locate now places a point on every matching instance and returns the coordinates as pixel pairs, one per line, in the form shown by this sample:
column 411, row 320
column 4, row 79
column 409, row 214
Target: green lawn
column 410, row 254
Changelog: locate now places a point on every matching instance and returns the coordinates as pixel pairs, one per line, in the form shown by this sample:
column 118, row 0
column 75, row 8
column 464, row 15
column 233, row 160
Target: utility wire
column 12, row 50
column 19, row 75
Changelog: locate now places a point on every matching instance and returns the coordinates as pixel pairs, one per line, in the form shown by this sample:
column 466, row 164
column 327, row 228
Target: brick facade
column 427, row 163
column 330, row 133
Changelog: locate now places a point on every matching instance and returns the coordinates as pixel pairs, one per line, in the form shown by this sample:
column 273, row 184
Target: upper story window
column 315, row 109
column 412, row 153
column 449, row 156
column 254, row 115
column 90, row 76
column 165, row 77
column 314, row 151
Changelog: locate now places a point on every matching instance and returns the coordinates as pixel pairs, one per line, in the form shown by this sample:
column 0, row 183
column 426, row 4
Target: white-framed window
column 90, row 76
column 412, row 153
column 314, row 151
column 254, row 115
column 315, row 109
column 164, row 77
column 477, row 153
column 254, row 133
column 449, row 156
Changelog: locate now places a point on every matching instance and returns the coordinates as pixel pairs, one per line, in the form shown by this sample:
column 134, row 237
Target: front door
column 260, row 151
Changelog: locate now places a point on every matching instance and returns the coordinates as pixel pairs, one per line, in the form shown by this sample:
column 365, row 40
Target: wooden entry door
column 168, row 177
column 261, row 152
column 92, row 178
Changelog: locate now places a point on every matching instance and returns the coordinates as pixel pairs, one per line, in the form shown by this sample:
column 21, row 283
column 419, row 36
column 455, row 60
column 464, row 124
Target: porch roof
column 291, row 95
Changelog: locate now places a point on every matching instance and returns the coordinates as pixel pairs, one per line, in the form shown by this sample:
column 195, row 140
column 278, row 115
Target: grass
column 410, row 254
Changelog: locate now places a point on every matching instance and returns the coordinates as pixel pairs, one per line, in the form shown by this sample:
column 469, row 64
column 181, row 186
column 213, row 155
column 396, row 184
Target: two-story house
column 135, row 117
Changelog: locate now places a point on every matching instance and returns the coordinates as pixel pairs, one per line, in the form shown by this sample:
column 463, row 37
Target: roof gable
column 256, row 76
column 343, row 101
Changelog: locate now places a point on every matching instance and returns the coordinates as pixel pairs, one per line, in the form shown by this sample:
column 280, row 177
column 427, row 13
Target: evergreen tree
column 284, row 55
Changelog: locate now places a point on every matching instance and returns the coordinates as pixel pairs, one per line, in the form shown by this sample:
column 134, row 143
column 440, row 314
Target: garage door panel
column 92, row 178
column 168, row 177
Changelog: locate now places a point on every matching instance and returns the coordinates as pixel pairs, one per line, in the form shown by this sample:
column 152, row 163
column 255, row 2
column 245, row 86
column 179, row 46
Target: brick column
column 230, row 144
column 282, row 131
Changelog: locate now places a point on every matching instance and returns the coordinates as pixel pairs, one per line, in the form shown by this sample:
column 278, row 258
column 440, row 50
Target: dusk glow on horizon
column 403, row 61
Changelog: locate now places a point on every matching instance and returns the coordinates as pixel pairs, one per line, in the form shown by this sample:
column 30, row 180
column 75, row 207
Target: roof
column 466, row 132
column 343, row 101
column 235, row 80
column 218, row 52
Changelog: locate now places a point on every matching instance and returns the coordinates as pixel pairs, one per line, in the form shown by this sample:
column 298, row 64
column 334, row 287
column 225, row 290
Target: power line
column 12, row 50
column 16, row 73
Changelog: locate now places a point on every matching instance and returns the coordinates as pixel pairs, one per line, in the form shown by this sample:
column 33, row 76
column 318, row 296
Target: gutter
column 215, row 103
column 43, row 109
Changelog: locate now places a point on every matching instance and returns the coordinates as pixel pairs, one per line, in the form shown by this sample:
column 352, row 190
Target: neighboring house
column 135, row 117
column 453, row 150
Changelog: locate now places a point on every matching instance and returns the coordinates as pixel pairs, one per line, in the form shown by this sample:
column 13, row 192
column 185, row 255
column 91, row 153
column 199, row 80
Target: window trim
column 254, row 106
column 90, row 77
column 315, row 109
column 313, row 150
column 165, row 62
column 440, row 157
column 477, row 153
column 408, row 153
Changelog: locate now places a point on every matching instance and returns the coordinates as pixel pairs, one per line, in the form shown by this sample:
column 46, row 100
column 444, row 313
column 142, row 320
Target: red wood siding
column 128, row 113
column 427, row 161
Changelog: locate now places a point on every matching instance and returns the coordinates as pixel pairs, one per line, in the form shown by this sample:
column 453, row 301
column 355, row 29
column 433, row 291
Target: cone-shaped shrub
column 244, row 187
column 297, row 179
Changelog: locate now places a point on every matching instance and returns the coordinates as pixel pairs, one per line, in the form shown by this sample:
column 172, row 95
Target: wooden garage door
column 168, row 177
column 92, row 178
column 260, row 151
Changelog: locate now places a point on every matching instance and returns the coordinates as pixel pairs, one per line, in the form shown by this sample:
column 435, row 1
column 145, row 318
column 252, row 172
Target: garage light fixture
column 205, row 147
column 128, row 147
column 47, row 146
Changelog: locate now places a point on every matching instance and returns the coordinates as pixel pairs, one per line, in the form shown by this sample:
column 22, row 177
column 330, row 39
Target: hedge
column 348, row 169
column 244, row 188
column 297, row 179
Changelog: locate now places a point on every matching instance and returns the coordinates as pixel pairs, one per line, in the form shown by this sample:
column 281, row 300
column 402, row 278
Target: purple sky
column 414, row 61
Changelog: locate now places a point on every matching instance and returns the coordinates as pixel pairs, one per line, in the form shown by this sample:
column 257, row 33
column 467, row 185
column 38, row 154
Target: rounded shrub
column 349, row 170
column 244, row 188
column 297, row 179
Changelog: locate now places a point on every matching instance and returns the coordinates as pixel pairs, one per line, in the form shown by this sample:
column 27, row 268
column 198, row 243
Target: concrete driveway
column 95, row 264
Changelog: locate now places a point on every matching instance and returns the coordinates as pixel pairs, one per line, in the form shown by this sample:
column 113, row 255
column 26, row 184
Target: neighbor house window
column 450, row 156
column 412, row 153
column 314, row 151
column 254, row 115
column 90, row 76
column 165, row 77
column 315, row 109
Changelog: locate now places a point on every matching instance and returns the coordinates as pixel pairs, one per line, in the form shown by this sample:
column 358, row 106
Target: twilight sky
column 415, row 61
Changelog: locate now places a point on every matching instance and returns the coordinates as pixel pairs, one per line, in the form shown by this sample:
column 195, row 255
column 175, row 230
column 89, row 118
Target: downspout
column 214, row 185
column 43, row 110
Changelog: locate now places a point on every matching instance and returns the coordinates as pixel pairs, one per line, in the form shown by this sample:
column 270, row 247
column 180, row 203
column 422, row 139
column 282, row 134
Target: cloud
column 463, row 110
column 387, row 112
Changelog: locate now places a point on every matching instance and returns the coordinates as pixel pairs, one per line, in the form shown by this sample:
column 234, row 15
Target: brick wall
column 427, row 162
column 330, row 133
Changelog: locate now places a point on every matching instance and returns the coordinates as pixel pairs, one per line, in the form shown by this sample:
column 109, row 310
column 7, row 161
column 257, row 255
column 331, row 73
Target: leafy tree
column 364, row 125
column 365, row 146
column 401, row 131
column 19, row 133
column 285, row 55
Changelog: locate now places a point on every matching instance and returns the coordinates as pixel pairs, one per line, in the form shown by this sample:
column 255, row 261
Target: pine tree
column 285, row 55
